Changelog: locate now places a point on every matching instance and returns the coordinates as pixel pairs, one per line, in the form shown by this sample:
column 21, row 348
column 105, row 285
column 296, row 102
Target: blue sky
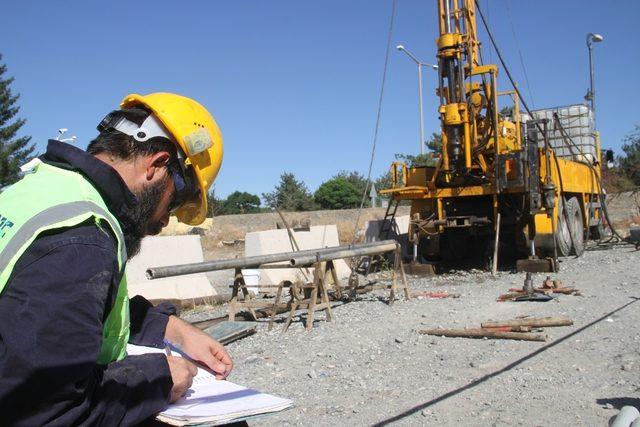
column 294, row 85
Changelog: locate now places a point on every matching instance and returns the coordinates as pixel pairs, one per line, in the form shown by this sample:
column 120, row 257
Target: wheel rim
column 564, row 230
column 577, row 226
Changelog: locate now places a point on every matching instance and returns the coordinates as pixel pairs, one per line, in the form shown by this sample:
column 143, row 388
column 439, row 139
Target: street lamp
column 61, row 132
column 591, row 94
column 420, row 65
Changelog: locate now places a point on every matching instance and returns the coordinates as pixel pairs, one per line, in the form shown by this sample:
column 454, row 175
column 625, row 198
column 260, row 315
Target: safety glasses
column 181, row 192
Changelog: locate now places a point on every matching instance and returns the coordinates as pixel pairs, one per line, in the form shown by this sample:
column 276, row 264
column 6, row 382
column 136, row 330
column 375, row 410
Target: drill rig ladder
column 389, row 219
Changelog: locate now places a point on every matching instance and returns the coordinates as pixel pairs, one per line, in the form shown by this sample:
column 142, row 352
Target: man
column 66, row 230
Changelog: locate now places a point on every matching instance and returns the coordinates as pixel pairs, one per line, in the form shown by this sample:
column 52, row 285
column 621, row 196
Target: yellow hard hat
column 197, row 135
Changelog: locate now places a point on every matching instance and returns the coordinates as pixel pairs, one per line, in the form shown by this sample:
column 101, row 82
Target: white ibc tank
column 578, row 141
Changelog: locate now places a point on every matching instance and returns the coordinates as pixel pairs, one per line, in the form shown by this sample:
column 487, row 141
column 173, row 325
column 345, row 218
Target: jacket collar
column 104, row 178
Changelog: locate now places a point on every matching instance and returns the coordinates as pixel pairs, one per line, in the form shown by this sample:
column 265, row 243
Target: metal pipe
column 300, row 260
column 625, row 417
column 251, row 262
column 447, row 20
column 494, row 264
column 420, row 108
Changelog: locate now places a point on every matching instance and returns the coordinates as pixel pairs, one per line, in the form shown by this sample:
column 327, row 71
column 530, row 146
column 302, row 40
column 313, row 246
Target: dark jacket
column 52, row 312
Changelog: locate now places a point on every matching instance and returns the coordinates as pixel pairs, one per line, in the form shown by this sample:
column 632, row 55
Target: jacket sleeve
column 148, row 323
column 51, row 319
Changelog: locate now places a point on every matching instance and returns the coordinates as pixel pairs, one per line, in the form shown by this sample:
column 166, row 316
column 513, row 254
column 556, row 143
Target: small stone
column 425, row 413
column 608, row 406
column 312, row 375
column 252, row 359
column 473, row 365
column 627, row 367
column 399, row 340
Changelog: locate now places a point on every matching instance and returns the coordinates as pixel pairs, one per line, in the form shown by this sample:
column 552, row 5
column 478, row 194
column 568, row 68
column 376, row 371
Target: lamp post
column 61, row 132
column 420, row 65
column 591, row 93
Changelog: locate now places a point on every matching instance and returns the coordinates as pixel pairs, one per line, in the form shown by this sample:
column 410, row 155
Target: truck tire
column 563, row 233
column 576, row 226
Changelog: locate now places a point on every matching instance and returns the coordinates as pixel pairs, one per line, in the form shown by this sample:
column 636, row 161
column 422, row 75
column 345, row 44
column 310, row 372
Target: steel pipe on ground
column 263, row 260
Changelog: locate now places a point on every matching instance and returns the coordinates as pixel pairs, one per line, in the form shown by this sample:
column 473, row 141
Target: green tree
column 630, row 162
column 240, row 202
column 214, row 205
column 434, row 143
column 290, row 195
column 359, row 182
column 355, row 178
column 384, row 181
column 426, row 159
column 14, row 151
column 506, row 112
column 338, row 193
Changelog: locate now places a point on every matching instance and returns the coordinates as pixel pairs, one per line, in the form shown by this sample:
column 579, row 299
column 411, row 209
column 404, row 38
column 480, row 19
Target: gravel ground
column 370, row 366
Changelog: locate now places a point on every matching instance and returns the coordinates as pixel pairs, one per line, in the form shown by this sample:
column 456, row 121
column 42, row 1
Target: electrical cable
column 375, row 133
column 515, row 37
column 567, row 137
column 515, row 87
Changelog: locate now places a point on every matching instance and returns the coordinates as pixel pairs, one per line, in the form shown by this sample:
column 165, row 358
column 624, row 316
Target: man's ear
column 156, row 163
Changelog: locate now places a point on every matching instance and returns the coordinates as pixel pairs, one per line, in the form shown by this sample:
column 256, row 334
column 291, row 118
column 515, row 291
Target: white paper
column 210, row 400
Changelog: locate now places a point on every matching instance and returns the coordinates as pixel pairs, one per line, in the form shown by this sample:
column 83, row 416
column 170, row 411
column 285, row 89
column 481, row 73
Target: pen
column 169, row 346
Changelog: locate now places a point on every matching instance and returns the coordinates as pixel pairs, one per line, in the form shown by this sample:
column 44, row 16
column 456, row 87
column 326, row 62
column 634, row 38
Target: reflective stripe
column 55, row 215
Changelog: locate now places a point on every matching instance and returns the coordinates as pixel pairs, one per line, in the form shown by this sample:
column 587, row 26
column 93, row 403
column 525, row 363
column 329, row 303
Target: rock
column 312, row 375
column 252, row 359
column 608, row 406
column 399, row 340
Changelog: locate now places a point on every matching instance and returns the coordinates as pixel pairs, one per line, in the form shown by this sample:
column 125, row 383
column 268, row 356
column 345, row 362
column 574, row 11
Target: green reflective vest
column 47, row 198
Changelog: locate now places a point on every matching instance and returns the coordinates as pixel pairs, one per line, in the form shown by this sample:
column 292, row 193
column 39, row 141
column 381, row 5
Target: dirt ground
column 371, row 366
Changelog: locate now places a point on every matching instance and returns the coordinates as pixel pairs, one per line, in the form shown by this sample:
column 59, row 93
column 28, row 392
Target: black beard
column 135, row 221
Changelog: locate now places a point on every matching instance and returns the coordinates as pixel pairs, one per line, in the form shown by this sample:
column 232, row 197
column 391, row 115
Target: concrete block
column 277, row 241
column 400, row 228
column 159, row 251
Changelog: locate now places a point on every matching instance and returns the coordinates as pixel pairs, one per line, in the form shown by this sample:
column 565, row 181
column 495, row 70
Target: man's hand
column 182, row 373
column 199, row 346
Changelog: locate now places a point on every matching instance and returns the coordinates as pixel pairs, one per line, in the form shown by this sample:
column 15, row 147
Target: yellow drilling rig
column 528, row 183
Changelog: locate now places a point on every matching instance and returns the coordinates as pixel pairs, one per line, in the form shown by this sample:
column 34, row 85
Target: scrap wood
column 434, row 294
column 509, row 296
column 567, row 291
column 509, row 328
column 484, row 333
column 518, row 292
column 539, row 322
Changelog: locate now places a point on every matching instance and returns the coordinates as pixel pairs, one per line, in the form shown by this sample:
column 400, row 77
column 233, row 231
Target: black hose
column 524, row 104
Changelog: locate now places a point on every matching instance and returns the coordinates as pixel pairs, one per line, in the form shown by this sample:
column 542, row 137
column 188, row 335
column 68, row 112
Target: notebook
column 213, row 402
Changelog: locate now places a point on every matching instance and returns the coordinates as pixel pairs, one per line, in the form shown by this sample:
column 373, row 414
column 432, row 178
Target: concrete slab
column 400, row 228
column 159, row 251
column 276, row 241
